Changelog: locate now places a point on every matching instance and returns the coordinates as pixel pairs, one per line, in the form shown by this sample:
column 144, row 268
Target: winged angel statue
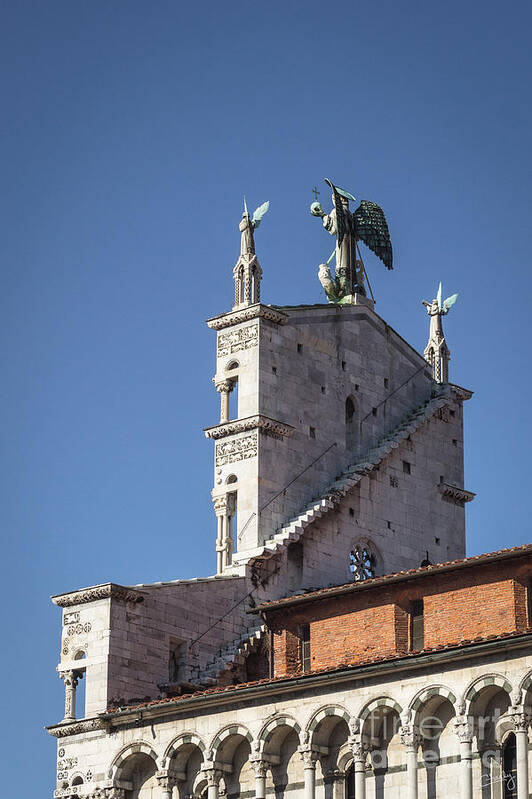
column 368, row 224
column 248, row 225
column 436, row 352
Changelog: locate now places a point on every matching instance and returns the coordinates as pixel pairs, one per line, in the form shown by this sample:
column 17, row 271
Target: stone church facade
column 345, row 648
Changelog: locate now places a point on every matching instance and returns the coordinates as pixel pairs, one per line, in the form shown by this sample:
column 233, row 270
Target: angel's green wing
column 372, row 228
column 259, row 212
column 449, row 302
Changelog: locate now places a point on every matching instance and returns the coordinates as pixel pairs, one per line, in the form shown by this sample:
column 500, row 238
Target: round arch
column 181, row 740
column 429, row 693
column 525, row 685
column 139, row 747
column 269, row 728
column 323, row 713
column 478, row 685
column 376, row 704
column 224, row 734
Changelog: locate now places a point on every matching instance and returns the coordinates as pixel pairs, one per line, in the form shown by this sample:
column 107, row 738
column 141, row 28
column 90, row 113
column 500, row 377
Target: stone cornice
column 249, row 423
column 456, row 494
column 245, row 314
column 95, row 592
column 76, row 727
column 255, row 692
column 461, row 393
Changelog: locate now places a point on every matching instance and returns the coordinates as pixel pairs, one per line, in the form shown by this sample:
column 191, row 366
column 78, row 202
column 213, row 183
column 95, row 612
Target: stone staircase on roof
column 232, row 653
column 235, row 652
column 294, row 529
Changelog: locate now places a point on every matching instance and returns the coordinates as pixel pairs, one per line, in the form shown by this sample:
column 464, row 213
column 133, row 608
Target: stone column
column 220, row 508
column 359, row 762
column 332, row 780
column 463, row 729
column 309, row 757
column 410, row 738
column 260, row 767
column 224, row 387
column 521, row 722
column 70, row 678
column 165, row 784
column 213, row 779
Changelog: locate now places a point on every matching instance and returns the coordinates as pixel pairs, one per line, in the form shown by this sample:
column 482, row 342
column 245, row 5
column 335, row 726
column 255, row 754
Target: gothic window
column 350, row 424
column 240, row 286
column 255, row 285
column 362, row 562
column 509, row 764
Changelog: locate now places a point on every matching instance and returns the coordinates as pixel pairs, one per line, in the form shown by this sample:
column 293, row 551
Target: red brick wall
column 480, row 601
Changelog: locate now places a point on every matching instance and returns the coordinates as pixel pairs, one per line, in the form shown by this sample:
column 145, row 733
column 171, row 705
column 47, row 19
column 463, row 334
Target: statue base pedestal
column 356, row 299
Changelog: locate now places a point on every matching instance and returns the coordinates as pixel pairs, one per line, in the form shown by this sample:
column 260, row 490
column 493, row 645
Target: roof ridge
column 471, row 560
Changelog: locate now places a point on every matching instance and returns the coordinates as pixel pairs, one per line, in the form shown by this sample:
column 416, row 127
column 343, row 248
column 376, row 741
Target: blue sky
column 130, row 131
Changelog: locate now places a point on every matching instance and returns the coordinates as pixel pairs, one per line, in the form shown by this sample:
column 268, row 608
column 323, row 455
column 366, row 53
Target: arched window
column 350, row 424
column 233, row 399
column 81, row 708
column 509, row 766
column 232, row 522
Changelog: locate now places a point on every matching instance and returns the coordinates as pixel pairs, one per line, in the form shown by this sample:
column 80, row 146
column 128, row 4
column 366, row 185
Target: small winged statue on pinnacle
column 436, row 309
column 248, row 225
column 368, row 224
column 437, row 352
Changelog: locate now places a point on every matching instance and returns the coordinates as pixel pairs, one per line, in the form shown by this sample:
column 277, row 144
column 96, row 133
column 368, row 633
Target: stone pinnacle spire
column 437, row 353
column 247, row 272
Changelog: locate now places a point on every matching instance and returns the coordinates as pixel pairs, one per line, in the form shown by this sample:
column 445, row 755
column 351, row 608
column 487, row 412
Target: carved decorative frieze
column 244, row 338
column 71, row 618
column 455, row 494
column 245, row 314
column 75, row 727
column 107, row 591
column 249, row 423
column 67, row 763
column 237, row 449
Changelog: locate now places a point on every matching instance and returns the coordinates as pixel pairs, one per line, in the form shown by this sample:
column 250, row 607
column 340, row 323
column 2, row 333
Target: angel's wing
column 259, row 212
column 449, row 302
column 438, row 295
column 372, row 228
